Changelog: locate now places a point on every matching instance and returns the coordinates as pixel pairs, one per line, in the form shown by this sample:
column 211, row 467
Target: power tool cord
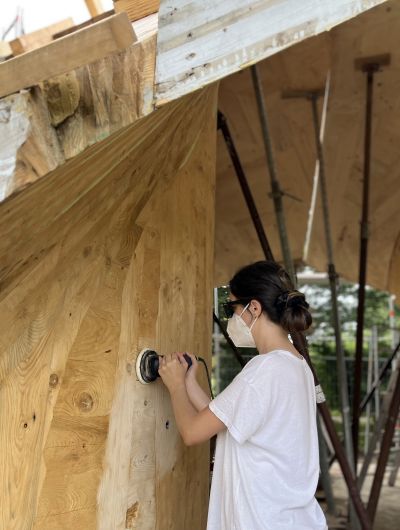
column 201, row 360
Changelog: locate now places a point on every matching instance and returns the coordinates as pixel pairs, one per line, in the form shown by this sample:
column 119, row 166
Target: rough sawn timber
column 36, row 39
column 77, row 49
column 102, row 257
column 137, row 9
column 201, row 41
column 43, row 127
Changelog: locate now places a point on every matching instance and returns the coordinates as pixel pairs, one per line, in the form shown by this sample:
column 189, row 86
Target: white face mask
column 239, row 331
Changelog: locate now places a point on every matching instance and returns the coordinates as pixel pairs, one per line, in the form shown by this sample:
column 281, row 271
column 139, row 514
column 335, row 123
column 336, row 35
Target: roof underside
column 305, row 67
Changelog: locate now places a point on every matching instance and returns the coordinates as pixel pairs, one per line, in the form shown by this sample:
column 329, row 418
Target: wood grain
column 83, row 47
column 42, row 128
column 36, row 39
column 92, row 272
column 137, row 9
column 200, row 41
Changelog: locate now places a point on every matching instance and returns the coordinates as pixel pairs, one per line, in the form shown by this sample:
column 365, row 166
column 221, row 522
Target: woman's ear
column 255, row 308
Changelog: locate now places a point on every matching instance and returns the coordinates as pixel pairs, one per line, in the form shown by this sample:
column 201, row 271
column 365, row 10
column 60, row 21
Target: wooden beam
column 42, row 129
column 137, row 9
column 36, row 39
column 95, row 7
column 67, row 53
column 198, row 45
column 85, row 24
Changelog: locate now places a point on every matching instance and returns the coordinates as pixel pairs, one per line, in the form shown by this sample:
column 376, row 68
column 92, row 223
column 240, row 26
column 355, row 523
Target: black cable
column 201, row 360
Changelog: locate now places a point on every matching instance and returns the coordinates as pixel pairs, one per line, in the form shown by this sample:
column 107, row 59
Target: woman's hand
column 172, row 371
column 192, row 371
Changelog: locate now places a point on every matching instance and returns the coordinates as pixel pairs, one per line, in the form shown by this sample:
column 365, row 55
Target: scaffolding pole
column 276, row 192
column 333, row 284
column 385, row 449
column 368, row 66
column 375, row 438
column 312, row 97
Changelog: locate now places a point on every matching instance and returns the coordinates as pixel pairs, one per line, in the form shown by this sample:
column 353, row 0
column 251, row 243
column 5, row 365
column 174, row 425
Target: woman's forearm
column 197, row 396
column 184, row 411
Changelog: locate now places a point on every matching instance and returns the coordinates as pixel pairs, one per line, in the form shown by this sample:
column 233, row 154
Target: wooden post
column 95, row 7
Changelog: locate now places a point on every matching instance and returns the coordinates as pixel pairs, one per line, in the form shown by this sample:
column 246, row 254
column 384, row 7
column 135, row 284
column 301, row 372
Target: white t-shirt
column 266, row 461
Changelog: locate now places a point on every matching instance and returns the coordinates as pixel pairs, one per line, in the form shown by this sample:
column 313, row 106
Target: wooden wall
column 110, row 253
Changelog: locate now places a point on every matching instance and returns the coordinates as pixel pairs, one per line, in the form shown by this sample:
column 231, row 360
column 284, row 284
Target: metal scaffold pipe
column 333, row 284
column 276, row 191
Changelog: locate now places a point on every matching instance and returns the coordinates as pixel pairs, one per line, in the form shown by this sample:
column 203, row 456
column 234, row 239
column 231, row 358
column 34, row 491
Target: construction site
column 149, row 150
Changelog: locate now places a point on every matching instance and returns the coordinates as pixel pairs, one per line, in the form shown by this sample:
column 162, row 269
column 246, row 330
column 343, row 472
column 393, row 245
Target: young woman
column 266, row 462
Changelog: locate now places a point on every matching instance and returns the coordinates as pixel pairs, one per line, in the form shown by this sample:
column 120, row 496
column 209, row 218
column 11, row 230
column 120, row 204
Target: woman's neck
column 269, row 336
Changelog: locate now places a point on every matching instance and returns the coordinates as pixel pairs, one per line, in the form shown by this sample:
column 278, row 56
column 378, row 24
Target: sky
column 41, row 13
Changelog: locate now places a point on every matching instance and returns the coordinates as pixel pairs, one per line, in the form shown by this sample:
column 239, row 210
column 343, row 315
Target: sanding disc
column 146, row 370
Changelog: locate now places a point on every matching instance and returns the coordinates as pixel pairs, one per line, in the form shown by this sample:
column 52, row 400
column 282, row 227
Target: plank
column 137, row 9
column 41, row 37
column 67, row 53
column 202, row 41
column 85, row 24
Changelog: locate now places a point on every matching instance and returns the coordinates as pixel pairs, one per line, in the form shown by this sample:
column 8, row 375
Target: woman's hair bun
column 293, row 311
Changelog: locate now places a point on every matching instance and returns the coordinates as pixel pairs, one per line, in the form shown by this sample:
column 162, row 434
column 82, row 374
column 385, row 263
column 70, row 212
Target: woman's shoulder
column 264, row 365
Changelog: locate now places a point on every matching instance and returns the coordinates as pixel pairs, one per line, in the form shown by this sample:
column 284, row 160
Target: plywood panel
column 91, row 271
column 236, row 241
column 305, row 67
column 369, row 35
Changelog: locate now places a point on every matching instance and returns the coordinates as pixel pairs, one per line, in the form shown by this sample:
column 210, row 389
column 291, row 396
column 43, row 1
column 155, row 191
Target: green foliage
column 376, row 314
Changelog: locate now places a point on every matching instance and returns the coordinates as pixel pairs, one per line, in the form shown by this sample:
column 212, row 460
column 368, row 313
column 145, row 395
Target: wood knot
column 53, row 380
column 85, row 402
column 132, row 514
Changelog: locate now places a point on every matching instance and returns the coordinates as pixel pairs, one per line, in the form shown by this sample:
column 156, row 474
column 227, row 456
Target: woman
column 266, row 461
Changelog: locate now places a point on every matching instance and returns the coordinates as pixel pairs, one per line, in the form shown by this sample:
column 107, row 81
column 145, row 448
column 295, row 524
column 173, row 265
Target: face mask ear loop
column 244, row 309
column 255, row 318
column 252, row 324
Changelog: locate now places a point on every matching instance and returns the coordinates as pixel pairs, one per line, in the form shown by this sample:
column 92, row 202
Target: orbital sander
column 147, row 364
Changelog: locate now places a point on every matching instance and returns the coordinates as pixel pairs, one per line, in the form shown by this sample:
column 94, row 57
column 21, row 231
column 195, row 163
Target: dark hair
column 270, row 284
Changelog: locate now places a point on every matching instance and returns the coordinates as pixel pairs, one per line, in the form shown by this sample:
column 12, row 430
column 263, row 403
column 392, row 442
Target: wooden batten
column 36, row 39
column 85, row 24
column 198, row 45
column 137, row 9
column 119, row 244
column 83, row 47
